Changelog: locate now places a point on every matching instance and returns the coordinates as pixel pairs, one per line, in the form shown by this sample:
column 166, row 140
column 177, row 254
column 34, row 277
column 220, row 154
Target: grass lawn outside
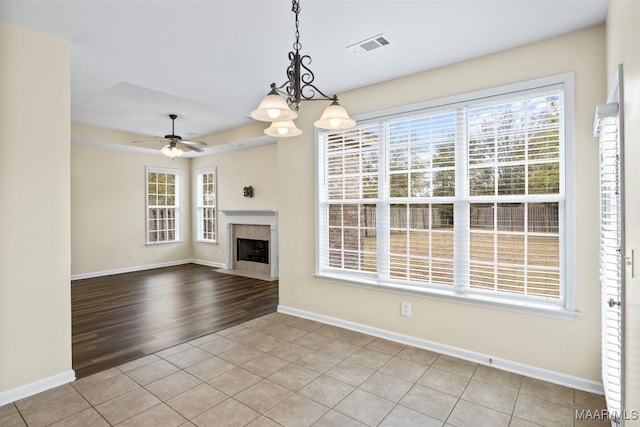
column 504, row 262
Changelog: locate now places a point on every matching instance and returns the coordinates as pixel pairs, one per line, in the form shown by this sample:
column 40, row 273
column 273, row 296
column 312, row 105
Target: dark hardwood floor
column 119, row 318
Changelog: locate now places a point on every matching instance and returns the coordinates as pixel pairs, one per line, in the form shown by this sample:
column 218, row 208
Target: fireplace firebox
column 252, row 250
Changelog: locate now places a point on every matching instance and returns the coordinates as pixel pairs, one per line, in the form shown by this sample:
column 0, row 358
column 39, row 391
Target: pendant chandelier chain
column 295, row 8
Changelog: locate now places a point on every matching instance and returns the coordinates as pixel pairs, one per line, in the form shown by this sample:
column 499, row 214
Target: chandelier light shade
column 172, row 151
column 273, row 108
column 282, row 103
column 283, row 129
column 335, row 117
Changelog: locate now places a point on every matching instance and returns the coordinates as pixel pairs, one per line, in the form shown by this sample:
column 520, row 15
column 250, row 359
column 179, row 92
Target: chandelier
column 298, row 87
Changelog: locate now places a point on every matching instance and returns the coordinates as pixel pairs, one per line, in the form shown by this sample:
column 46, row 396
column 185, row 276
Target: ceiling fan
column 175, row 145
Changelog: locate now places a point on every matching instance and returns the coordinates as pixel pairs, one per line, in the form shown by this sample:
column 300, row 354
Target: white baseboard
column 210, row 263
column 146, row 267
column 36, row 387
column 472, row 356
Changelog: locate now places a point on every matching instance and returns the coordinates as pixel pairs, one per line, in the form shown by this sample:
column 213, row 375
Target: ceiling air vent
column 369, row 44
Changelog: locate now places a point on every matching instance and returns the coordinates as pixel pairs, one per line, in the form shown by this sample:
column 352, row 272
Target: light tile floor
column 280, row 370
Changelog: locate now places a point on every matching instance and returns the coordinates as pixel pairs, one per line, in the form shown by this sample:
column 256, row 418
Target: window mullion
column 461, row 205
column 382, row 207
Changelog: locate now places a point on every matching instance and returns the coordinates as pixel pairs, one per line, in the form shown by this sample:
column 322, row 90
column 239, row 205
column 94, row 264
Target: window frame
column 564, row 310
column 176, row 206
column 200, row 206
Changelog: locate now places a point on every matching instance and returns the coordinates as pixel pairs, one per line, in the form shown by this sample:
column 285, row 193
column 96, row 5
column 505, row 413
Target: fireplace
column 252, row 242
column 252, row 250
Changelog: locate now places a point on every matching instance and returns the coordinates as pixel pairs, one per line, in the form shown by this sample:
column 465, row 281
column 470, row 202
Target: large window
column 163, row 205
column 206, row 230
column 463, row 198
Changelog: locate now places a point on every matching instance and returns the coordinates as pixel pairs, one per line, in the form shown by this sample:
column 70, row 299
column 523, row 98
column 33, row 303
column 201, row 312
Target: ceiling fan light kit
column 298, row 87
column 172, row 152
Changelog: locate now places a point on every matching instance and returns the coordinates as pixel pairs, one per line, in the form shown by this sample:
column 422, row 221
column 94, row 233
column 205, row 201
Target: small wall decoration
column 248, row 191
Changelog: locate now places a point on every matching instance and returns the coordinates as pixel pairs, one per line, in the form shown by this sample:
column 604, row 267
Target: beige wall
column 108, row 206
column 256, row 167
column 623, row 47
column 35, row 312
column 568, row 346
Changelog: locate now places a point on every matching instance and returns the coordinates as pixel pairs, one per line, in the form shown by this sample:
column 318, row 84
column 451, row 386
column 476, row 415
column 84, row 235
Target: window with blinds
column 206, row 230
column 466, row 198
column 163, row 203
column 352, row 161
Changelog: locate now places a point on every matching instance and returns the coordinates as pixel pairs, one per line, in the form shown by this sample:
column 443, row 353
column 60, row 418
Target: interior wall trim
column 472, row 356
column 146, row 267
column 36, row 387
column 213, row 149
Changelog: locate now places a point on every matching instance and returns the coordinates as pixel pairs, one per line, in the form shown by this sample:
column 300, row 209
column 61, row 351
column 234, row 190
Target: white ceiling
column 211, row 61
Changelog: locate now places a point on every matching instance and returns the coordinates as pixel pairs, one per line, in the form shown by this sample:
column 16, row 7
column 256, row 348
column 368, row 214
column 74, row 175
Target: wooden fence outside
column 542, row 218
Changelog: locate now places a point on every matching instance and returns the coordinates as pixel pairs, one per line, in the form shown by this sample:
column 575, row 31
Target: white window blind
column 351, row 159
column 611, row 268
column 206, row 199
column 467, row 197
column 163, row 205
column 421, row 153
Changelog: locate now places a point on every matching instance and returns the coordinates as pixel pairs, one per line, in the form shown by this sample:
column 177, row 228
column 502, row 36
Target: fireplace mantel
column 258, row 217
column 237, row 212
column 253, row 217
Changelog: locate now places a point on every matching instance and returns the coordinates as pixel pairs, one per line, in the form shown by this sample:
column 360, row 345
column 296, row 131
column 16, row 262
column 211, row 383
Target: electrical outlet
column 405, row 309
column 132, row 255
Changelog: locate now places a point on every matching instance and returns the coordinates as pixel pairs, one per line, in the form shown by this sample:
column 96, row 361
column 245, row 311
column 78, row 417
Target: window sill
column 215, row 242
column 450, row 295
column 172, row 242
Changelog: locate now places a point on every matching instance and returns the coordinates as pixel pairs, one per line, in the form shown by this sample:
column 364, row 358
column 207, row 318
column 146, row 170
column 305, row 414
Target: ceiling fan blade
column 158, row 141
column 188, row 147
column 195, row 143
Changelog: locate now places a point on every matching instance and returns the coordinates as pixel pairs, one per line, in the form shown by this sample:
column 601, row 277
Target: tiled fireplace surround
column 252, row 224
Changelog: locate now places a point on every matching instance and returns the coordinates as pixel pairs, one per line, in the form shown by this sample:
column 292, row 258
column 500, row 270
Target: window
column 163, row 205
column 206, row 205
column 463, row 198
